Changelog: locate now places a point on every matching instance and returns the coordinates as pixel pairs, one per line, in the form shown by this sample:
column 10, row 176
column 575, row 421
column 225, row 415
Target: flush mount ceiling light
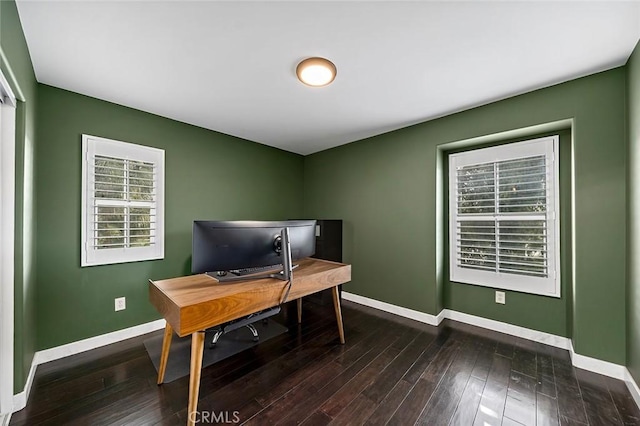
column 316, row 72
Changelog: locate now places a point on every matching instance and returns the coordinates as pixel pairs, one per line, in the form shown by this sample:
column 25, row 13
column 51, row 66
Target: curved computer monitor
column 234, row 245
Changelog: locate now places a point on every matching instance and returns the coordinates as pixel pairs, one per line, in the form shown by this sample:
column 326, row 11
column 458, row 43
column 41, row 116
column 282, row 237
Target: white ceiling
column 230, row 66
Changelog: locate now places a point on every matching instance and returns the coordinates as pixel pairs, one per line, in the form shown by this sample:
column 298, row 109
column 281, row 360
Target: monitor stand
column 229, row 277
column 285, row 274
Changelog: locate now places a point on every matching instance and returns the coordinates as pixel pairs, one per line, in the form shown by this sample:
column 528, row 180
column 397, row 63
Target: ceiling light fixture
column 316, row 72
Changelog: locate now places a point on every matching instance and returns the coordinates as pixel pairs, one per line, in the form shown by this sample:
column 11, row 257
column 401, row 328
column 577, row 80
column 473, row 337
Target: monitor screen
column 232, row 245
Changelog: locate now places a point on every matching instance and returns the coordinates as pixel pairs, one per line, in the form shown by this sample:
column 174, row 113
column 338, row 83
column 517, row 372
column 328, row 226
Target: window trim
column 93, row 145
column 550, row 286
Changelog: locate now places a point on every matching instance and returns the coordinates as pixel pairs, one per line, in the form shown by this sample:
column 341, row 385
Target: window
column 122, row 202
column 504, row 229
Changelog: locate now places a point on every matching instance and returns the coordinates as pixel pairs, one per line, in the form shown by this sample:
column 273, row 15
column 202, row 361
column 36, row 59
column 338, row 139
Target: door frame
column 7, row 244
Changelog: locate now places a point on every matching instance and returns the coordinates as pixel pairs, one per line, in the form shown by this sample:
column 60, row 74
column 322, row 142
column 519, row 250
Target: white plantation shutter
column 504, row 217
column 123, row 202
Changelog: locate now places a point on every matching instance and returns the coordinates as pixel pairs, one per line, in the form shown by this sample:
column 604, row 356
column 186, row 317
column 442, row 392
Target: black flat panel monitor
column 234, row 245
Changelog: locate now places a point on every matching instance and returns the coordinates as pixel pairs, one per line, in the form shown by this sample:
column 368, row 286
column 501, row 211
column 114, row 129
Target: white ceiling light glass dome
column 316, row 72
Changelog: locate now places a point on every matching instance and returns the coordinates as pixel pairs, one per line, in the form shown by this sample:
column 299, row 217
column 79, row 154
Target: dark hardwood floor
column 391, row 371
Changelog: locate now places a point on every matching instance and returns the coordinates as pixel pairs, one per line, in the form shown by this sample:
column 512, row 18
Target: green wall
column 17, row 68
column 385, row 189
column 633, row 217
column 208, row 176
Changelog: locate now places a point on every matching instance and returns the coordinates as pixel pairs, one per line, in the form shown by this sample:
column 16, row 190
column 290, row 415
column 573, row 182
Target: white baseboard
column 47, row 355
column 506, row 328
column 598, row 366
column 20, row 399
column 586, row 363
column 502, row 327
column 394, row 309
column 4, row 419
column 633, row 387
column 95, row 342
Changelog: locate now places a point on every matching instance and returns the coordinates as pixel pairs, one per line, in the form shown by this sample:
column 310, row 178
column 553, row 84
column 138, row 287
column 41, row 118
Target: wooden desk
column 191, row 304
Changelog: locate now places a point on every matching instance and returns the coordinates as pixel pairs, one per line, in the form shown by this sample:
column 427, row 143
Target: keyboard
column 256, row 270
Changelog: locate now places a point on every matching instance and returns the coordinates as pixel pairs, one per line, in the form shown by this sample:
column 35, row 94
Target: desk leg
column 336, row 305
column 164, row 355
column 197, row 345
column 300, row 310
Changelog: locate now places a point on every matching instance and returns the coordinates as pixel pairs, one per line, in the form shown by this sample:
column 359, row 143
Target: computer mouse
column 221, row 273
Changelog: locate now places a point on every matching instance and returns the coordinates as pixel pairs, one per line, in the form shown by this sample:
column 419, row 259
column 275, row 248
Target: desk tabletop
column 196, row 302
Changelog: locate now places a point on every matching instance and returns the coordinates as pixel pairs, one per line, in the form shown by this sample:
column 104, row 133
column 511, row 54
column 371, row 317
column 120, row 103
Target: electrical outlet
column 121, row 303
column 500, row 297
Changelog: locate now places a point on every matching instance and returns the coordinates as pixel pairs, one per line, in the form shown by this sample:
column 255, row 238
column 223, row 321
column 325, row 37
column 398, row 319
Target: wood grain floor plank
column 546, row 411
column 571, row 406
column 544, row 365
column 339, row 400
column 388, row 378
column 306, row 398
column 627, row 408
column 317, row 419
column 567, row 421
column 312, row 401
column 465, row 413
column 417, row 369
column 521, row 399
column 570, row 403
column 486, row 350
column 415, row 401
column 599, row 405
column 447, row 395
column 494, row 395
column 315, row 364
column 356, row 413
column 390, row 371
column 505, row 349
column 388, row 406
column 525, row 362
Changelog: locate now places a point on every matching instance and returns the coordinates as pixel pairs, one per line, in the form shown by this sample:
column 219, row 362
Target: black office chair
column 247, row 321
